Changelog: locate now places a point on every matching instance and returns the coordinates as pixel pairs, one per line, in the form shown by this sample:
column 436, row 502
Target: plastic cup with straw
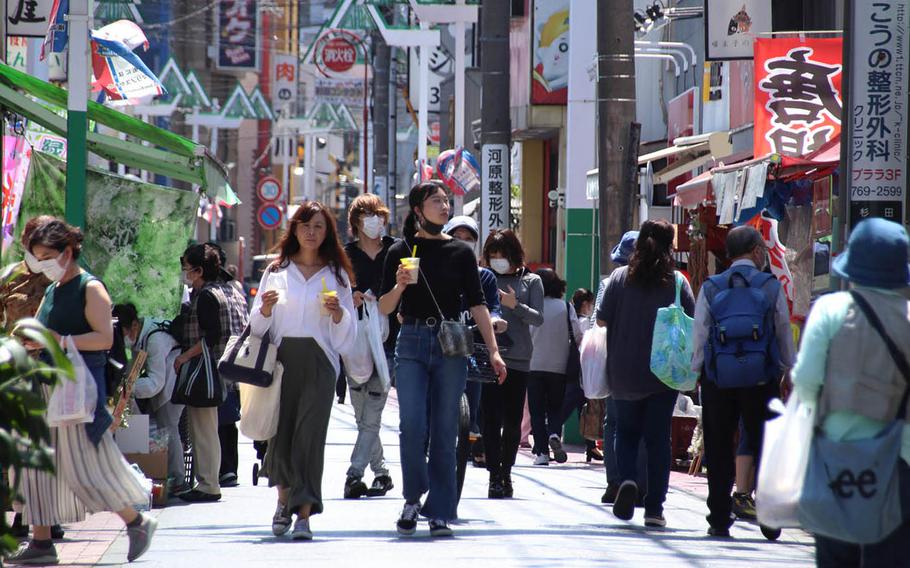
column 325, row 295
column 412, row 263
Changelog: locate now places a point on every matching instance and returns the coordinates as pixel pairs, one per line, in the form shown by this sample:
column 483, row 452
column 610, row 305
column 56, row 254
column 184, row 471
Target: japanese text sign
column 284, row 81
column 28, row 18
column 495, row 188
column 238, row 34
column 877, row 152
column 731, row 27
column 797, row 94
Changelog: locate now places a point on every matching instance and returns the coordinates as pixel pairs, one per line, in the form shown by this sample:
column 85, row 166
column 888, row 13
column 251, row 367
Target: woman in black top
column 366, row 219
column 212, row 318
column 430, row 384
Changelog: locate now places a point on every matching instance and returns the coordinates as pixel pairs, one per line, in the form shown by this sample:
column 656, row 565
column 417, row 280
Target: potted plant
column 24, row 434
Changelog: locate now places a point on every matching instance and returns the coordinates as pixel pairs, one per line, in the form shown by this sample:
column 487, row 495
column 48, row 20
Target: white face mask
column 372, row 226
column 128, row 342
column 33, row 264
column 51, row 268
column 500, row 265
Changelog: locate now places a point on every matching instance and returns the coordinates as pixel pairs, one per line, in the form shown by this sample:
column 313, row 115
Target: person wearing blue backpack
column 743, row 347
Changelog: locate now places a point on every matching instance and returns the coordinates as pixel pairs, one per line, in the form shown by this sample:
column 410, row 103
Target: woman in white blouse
column 307, row 310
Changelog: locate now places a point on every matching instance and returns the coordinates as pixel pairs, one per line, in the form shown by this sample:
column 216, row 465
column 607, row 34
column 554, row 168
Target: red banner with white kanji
column 798, row 100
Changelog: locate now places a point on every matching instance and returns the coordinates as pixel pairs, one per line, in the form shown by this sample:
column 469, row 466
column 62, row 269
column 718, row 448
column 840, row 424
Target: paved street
column 556, row 519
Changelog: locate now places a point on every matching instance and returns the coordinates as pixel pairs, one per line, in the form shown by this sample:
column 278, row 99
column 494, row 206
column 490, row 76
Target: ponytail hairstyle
column 419, row 193
column 652, row 264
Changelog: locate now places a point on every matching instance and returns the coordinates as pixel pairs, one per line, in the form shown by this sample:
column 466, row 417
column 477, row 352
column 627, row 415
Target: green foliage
column 24, row 434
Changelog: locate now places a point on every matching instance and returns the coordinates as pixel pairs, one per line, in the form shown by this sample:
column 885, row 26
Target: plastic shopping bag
column 784, row 457
column 671, row 345
column 594, row 363
column 377, row 331
column 73, row 401
column 358, row 362
column 259, row 408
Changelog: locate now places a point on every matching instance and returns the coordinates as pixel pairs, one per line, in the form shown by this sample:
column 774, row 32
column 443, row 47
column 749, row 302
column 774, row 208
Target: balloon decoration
column 459, row 170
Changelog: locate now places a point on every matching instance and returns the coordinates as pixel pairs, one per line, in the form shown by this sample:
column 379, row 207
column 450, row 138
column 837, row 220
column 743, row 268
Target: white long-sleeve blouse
column 298, row 315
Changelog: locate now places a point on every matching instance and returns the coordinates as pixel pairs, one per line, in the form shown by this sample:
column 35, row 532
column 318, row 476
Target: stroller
column 260, row 446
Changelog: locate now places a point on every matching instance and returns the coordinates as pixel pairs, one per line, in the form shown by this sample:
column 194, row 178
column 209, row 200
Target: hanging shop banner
column 682, row 120
column 441, row 66
column 135, row 232
column 340, row 91
column 877, row 156
column 28, row 18
column 237, row 42
column 731, row 27
column 57, row 32
column 16, row 156
column 495, row 188
column 118, row 71
column 550, row 50
column 284, row 82
column 798, row 99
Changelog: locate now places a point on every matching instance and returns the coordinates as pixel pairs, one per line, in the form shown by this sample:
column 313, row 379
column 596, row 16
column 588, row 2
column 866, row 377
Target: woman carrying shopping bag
column 428, row 274
column 644, row 405
column 852, row 367
column 77, row 306
column 308, row 311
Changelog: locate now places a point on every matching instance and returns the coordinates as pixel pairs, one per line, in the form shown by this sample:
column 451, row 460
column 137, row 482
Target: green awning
column 169, row 154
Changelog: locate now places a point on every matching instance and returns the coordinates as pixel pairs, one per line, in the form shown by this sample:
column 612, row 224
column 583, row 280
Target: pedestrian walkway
column 556, row 519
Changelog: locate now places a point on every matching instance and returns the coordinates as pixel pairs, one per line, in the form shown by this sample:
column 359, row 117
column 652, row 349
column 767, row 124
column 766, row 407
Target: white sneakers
column 542, row 459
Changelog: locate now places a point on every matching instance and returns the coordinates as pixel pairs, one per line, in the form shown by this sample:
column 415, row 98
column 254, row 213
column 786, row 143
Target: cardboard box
column 154, row 466
column 135, row 439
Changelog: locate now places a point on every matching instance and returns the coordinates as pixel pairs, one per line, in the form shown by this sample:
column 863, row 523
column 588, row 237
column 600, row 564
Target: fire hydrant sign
column 877, row 155
column 339, row 54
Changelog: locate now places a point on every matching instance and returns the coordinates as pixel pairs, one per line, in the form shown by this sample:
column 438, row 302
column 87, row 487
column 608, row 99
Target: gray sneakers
column 28, row 554
column 140, row 537
column 281, row 522
column 302, row 530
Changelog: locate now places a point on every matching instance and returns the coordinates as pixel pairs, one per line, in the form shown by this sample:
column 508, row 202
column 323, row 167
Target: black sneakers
column 496, row 489
column 507, row 490
column 624, row 506
column 609, row 496
column 381, row 485
column 354, row 488
column 407, row 523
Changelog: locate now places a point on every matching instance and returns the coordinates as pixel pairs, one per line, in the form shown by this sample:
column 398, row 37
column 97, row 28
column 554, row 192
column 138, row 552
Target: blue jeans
column 610, row 462
column 650, row 419
column 429, row 386
column 473, row 390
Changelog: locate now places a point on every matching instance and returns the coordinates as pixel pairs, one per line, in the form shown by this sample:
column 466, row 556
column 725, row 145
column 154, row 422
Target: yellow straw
column 324, row 287
column 414, row 252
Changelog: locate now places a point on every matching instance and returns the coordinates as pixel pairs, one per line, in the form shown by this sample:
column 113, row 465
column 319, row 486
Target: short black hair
column 581, row 296
column 126, row 314
column 205, row 257
column 553, row 285
column 742, row 241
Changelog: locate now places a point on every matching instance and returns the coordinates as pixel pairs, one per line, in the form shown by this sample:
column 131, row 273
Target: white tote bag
column 784, row 458
column 594, row 363
column 377, row 331
column 259, row 407
column 73, row 401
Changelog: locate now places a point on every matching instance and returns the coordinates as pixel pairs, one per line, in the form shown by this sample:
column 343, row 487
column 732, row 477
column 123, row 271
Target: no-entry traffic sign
column 269, row 216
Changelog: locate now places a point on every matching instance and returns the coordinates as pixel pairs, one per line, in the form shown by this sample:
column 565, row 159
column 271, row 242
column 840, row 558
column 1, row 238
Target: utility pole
column 76, row 111
column 615, row 115
column 393, row 143
column 496, row 129
column 381, row 117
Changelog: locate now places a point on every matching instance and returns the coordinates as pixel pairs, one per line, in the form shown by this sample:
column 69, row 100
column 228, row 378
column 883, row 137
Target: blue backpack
column 742, row 347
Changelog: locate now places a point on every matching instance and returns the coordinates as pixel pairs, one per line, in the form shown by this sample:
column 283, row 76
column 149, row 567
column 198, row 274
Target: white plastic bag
column 784, row 457
column 358, row 362
column 259, row 408
column 377, row 331
column 73, row 401
column 594, row 363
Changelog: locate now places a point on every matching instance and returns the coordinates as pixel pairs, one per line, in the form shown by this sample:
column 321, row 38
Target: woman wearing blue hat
column 847, row 369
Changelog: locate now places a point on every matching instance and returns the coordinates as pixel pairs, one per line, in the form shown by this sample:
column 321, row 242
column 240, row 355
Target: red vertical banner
column 798, row 98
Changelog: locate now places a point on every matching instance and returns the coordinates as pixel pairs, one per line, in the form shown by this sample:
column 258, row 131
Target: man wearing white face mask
column 367, row 218
column 156, row 383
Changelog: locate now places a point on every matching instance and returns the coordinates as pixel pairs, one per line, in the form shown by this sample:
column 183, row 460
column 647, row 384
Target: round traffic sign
column 339, row 54
column 269, row 189
column 269, row 216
